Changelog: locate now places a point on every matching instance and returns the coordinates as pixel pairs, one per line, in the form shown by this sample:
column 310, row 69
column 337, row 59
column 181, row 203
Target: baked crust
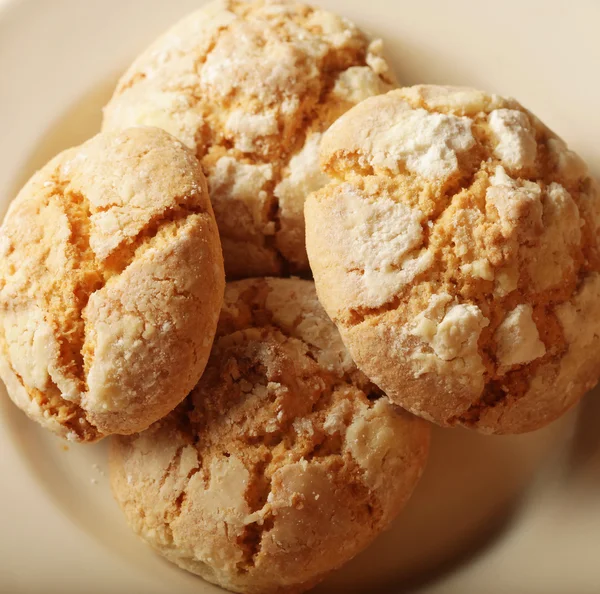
column 457, row 252
column 250, row 87
column 111, row 281
column 284, row 462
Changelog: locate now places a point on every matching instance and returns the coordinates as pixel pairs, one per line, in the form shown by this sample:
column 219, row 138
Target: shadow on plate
column 584, row 455
column 468, row 494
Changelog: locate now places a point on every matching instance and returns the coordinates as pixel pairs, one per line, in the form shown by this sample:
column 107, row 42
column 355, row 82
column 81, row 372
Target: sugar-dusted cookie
column 283, row 463
column 250, row 87
column 111, row 283
column 457, row 252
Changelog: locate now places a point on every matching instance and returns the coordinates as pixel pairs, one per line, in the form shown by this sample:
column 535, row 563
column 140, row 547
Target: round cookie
column 457, row 252
column 111, row 282
column 283, row 463
column 250, row 87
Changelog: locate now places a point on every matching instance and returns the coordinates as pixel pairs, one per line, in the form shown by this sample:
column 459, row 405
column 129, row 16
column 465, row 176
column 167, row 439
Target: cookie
column 111, row 283
column 283, row 463
column 250, row 87
column 457, row 252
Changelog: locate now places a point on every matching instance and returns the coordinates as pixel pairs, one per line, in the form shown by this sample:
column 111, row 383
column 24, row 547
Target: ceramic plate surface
column 493, row 515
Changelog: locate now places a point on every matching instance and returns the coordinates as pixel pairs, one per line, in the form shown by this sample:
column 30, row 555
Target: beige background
column 492, row 515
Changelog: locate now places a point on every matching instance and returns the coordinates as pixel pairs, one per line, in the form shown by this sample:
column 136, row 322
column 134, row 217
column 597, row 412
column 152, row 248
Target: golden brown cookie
column 111, row 282
column 284, row 462
column 457, row 252
column 250, row 87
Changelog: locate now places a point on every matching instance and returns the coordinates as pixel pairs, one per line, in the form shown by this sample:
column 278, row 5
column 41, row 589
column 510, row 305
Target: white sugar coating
column 98, row 263
column 506, row 281
column 501, row 178
column 517, row 147
column 334, row 28
column 234, row 58
column 394, row 136
column 335, row 420
column 310, row 324
column 230, row 177
column 253, row 81
column 480, row 268
column 451, row 333
column 426, row 323
column 561, row 235
column 510, row 221
column 303, row 426
column 368, row 439
column 461, row 100
column 358, row 83
column 553, row 216
column 31, row 344
column 379, row 244
column 429, row 142
column 517, row 338
column 247, row 127
column 198, row 30
column 304, row 176
column 375, row 59
column 234, row 180
column 436, row 307
column 458, row 332
column 515, row 201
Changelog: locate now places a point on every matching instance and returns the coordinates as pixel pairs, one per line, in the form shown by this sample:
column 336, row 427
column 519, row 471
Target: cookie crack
column 514, row 384
column 172, row 464
column 250, row 540
column 124, row 254
column 358, row 315
column 181, row 498
column 67, row 413
column 121, row 259
column 209, row 138
column 175, row 510
column 86, row 276
column 256, row 358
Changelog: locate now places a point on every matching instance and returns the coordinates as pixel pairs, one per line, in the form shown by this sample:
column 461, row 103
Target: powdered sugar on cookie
column 279, row 457
column 454, row 194
column 517, row 147
column 112, row 276
column 379, row 243
column 394, row 136
column 257, row 83
column 517, row 338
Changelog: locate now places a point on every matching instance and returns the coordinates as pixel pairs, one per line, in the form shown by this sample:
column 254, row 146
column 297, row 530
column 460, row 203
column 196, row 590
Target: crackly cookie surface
column 283, row 463
column 250, row 87
column 111, row 282
column 457, row 251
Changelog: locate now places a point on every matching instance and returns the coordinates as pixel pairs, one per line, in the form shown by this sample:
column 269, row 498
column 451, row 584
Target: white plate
column 492, row 515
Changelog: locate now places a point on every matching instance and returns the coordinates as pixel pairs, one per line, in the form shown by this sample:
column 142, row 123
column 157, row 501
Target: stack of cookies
column 267, row 429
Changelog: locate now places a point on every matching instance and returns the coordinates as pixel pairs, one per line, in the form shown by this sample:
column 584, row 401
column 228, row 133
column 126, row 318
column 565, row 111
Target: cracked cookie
column 456, row 249
column 250, row 87
column 284, row 461
column 111, row 282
